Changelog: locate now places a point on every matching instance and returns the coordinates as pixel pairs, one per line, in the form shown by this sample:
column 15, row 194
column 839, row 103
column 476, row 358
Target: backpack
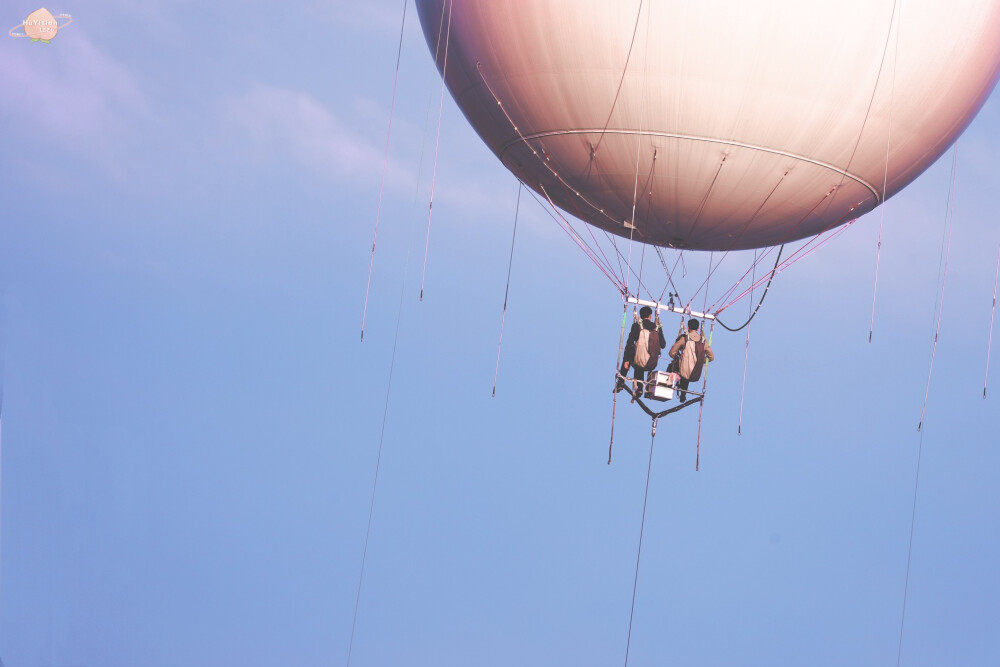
column 699, row 360
column 647, row 349
column 691, row 361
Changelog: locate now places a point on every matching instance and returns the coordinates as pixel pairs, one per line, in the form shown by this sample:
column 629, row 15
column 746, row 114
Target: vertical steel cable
column 638, row 143
column 638, row 556
column 378, row 464
column 704, row 385
column 885, row 175
column 746, row 352
column 506, row 292
column 989, row 342
column 385, row 161
column 909, row 551
column 943, row 274
column 437, row 145
column 618, row 363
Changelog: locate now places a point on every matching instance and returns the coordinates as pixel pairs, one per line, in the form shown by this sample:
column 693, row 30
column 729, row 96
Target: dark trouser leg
column 682, row 385
column 640, row 377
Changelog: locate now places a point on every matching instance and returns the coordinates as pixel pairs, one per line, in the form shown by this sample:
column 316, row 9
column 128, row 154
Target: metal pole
column 671, row 309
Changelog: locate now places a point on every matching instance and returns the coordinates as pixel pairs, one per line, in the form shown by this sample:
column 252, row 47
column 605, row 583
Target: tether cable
column 909, row 551
column 746, row 359
column 621, row 81
column 385, row 161
column 638, row 556
column 506, row 292
column 885, row 175
column 378, row 464
column 943, row 272
column 437, row 145
column 943, row 275
column 989, row 341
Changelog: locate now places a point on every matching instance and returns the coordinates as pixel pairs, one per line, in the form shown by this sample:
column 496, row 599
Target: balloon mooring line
column 943, row 277
column 746, row 357
column 638, row 555
column 437, row 145
column 939, row 303
column 506, row 293
column 385, row 162
column 909, row 550
column 989, row 342
column 885, row 175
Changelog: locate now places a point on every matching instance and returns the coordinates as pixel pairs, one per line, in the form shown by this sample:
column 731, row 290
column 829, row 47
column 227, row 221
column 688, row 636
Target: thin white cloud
column 72, row 96
column 280, row 123
column 371, row 15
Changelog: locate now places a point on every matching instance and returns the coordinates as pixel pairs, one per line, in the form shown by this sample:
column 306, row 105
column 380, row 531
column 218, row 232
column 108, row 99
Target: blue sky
column 191, row 425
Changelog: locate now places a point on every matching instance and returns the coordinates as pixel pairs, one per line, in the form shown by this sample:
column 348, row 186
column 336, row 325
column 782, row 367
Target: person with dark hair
column 689, row 353
column 642, row 350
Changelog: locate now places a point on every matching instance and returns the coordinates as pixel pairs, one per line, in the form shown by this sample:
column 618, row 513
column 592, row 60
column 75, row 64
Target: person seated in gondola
column 642, row 351
column 689, row 353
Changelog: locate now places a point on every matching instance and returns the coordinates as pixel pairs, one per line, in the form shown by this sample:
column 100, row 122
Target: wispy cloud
column 372, row 15
column 280, row 123
column 70, row 95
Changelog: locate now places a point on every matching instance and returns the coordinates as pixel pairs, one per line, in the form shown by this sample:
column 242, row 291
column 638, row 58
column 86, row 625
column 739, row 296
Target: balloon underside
column 714, row 126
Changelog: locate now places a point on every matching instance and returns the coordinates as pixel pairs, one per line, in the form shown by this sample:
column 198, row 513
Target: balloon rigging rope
column 649, row 203
column 378, row 463
column 801, row 253
column 751, row 273
column 437, row 144
column 385, row 162
column 618, row 362
column 621, row 81
column 388, row 392
column 939, row 303
column 618, row 255
column 746, row 353
column 736, row 285
column 989, row 343
column 638, row 141
column 943, row 277
column 909, row 550
column 885, row 175
column 600, row 249
column 758, row 260
column 708, row 278
column 569, row 189
column 638, row 555
column 381, row 440
column 701, row 404
column 754, row 313
column 669, row 272
column 704, row 200
column 736, row 240
column 606, row 269
column 625, row 276
column 817, row 239
column 593, row 169
column 871, row 101
column 597, row 245
column 575, row 236
column 506, row 292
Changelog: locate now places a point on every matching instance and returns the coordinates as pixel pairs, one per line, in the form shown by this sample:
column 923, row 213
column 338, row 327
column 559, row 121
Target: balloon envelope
column 716, row 125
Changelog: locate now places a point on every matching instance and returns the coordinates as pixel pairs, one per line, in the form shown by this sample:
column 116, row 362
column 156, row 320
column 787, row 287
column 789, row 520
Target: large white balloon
column 725, row 123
